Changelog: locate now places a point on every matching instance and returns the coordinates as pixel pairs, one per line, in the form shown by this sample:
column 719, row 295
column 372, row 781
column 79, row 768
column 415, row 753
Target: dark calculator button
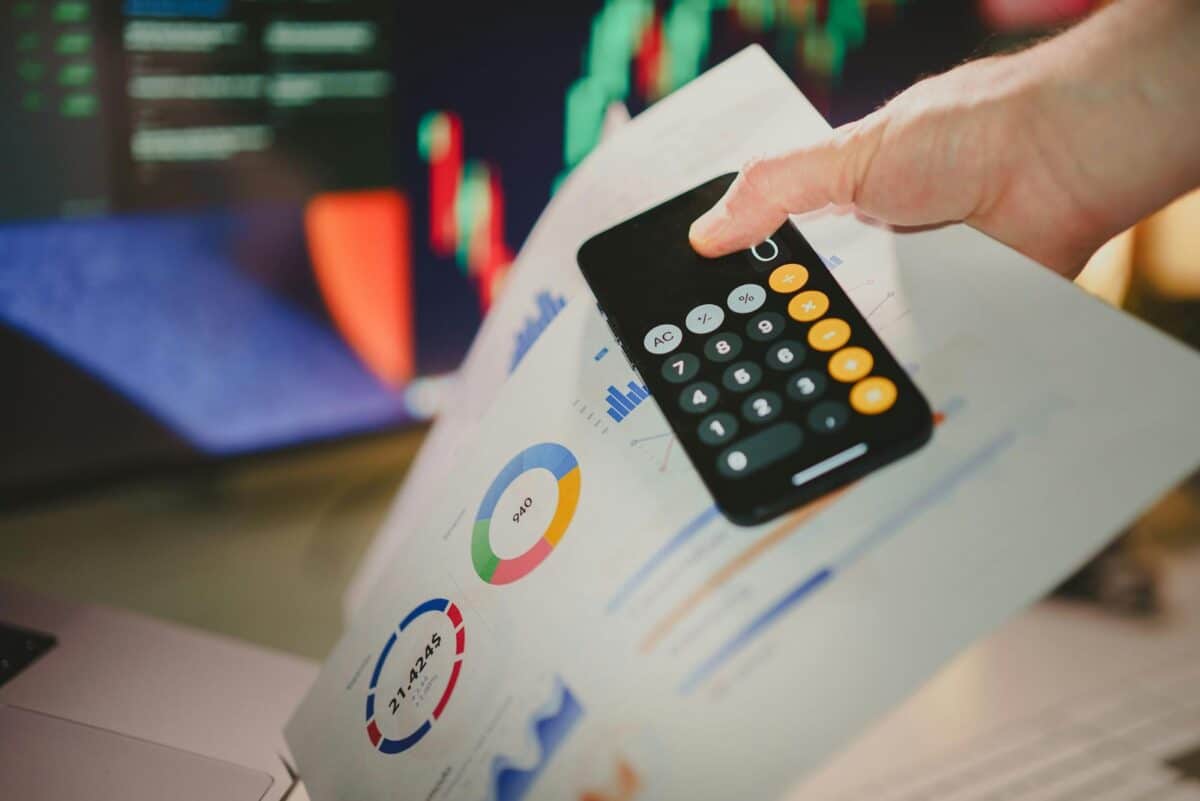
column 762, row 407
column 762, row 449
column 767, row 254
column 828, row 417
column 698, row 397
column 680, row 367
column 806, row 385
column 786, row 355
column 765, row 327
column 742, row 377
column 723, row 347
column 717, row 429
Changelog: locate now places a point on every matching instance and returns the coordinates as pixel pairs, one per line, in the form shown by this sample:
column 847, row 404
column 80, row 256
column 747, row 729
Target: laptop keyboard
column 20, row 648
column 1136, row 742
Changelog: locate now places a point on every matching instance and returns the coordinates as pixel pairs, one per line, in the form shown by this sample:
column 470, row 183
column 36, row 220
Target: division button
column 717, row 429
column 662, row 339
column 827, row 417
column 698, row 397
column 785, row 355
column 806, row 385
column 851, row 364
column 760, row 450
column 762, row 407
column 746, row 298
column 829, row 334
column 788, row 278
column 705, row 318
column 808, row 306
column 742, row 377
column 680, row 367
column 765, row 327
column 723, row 347
column 874, row 395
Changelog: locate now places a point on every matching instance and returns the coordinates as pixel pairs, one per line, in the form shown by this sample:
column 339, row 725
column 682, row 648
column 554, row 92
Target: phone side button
column 756, row 452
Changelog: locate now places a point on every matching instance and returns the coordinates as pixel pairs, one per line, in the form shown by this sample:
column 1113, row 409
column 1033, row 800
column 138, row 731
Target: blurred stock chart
column 231, row 226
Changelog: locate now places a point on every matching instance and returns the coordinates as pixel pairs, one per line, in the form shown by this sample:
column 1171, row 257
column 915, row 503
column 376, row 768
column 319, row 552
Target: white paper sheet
column 635, row 645
column 681, row 141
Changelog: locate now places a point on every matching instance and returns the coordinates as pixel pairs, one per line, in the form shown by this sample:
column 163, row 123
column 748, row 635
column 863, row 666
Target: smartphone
column 775, row 385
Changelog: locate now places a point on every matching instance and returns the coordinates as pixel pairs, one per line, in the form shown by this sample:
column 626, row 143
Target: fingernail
column 707, row 227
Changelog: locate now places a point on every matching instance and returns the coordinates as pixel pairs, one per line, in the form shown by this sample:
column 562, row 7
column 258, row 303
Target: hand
column 1052, row 151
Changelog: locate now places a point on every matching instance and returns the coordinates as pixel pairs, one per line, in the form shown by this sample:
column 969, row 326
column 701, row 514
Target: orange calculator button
column 788, row 278
column 829, row 334
column 874, row 395
column 851, row 364
column 808, row 306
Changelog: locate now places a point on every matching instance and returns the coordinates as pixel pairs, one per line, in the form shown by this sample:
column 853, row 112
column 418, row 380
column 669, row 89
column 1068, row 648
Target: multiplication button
column 662, row 339
column 746, row 298
column 808, row 306
column 705, row 318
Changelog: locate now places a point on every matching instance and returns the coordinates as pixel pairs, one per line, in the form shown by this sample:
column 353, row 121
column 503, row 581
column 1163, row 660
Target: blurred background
column 244, row 243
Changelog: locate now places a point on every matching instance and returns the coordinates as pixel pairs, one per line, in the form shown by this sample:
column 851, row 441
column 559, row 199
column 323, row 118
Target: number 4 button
column 698, row 397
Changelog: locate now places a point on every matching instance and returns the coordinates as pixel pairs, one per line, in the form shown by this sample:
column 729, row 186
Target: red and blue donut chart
column 434, row 606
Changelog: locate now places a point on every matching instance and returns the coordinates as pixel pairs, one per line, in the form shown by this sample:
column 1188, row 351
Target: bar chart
column 620, row 403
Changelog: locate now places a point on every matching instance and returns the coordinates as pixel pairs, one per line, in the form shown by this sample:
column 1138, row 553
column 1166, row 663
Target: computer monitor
column 234, row 226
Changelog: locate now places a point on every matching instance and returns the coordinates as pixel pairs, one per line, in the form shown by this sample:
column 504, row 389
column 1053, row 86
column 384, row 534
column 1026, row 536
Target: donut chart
column 565, row 468
column 396, row 745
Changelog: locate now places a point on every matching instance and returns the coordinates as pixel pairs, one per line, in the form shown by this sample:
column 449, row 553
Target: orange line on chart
column 736, row 565
column 627, row 783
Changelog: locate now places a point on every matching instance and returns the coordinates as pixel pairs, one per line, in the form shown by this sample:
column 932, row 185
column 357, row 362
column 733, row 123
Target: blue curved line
column 550, row 730
column 382, row 658
column 387, row 746
column 432, row 605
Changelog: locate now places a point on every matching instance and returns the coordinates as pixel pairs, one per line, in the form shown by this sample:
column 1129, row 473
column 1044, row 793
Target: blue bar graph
column 620, row 404
column 548, row 307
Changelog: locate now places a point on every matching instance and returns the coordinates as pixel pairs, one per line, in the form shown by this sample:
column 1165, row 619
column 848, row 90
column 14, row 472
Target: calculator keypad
column 761, row 384
column 760, row 361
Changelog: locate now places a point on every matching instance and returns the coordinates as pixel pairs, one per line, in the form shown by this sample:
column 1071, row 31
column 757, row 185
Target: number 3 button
column 698, row 397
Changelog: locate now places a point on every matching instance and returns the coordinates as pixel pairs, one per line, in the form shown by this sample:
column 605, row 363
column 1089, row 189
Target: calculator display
column 774, row 383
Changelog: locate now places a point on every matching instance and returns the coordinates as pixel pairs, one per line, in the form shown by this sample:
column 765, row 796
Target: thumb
column 767, row 190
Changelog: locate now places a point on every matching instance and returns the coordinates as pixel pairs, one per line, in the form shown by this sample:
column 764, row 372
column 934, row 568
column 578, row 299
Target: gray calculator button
column 828, row 417
column 663, row 339
column 806, row 385
column 786, row 355
column 698, row 397
column 764, row 327
column 717, row 429
column 762, row 407
column 742, row 377
column 680, row 367
column 723, row 347
column 760, row 450
column 746, row 298
column 704, row 319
